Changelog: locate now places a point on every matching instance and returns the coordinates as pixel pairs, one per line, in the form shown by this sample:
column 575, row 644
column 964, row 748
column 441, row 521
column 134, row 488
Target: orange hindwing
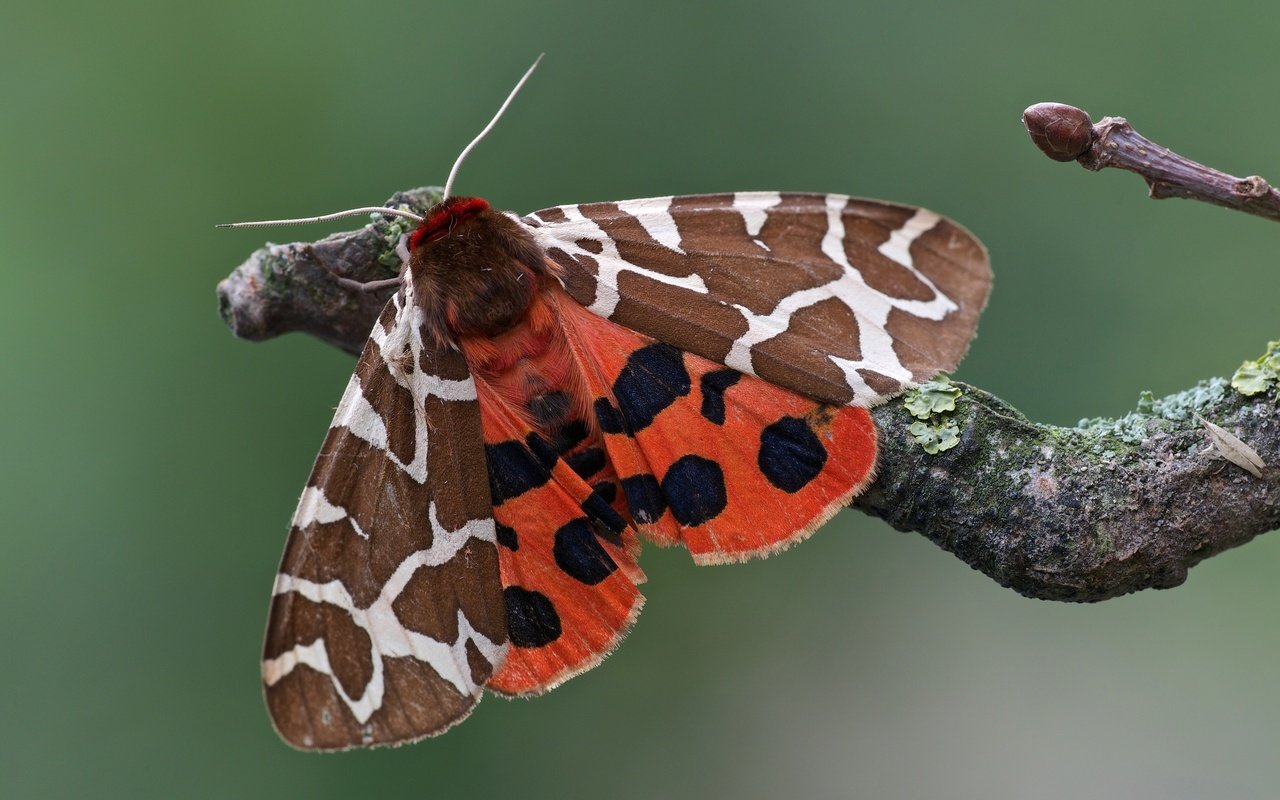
column 595, row 432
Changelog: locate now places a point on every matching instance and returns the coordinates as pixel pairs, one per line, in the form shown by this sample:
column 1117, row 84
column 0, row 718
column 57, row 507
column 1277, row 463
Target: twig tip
column 1062, row 132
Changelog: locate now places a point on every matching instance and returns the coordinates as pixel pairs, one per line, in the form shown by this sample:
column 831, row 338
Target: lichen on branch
column 1084, row 513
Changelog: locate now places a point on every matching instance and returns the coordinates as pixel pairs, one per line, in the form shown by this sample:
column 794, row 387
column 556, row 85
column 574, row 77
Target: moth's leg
column 367, row 286
column 374, row 286
column 402, row 250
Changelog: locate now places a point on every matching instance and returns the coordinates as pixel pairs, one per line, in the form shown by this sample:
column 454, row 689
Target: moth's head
column 444, row 217
column 475, row 271
column 461, row 235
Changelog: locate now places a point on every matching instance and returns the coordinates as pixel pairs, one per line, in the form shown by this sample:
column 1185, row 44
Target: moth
column 543, row 392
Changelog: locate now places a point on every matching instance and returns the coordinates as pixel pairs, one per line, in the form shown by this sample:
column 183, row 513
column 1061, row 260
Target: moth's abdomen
column 531, row 370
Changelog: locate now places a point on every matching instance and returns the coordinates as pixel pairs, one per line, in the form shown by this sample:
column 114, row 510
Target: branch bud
column 1062, row 132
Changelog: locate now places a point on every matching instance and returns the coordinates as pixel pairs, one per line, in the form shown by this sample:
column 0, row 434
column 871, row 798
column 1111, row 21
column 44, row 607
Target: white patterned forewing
column 387, row 615
column 842, row 299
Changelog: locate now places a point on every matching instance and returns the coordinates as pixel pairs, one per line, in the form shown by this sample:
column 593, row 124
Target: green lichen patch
column 935, row 438
column 277, row 270
column 932, row 403
column 935, row 397
column 1146, row 402
column 391, row 229
column 1132, row 428
column 1259, row 375
column 1251, row 379
column 1186, row 404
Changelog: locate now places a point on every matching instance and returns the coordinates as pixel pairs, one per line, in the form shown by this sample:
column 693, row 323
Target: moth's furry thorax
column 475, row 271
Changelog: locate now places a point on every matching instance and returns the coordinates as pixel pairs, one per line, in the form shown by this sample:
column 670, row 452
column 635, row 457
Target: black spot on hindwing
column 507, row 537
column 599, row 511
column 532, row 620
column 608, row 417
column 578, row 553
column 588, row 462
column 653, row 378
column 713, row 385
column 644, row 498
column 608, row 490
column 694, row 487
column 791, row 455
column 513, row 470
column 569, row 435
column 542, row 450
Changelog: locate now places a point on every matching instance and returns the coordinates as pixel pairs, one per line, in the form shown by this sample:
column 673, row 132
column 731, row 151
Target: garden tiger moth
column 542, row 392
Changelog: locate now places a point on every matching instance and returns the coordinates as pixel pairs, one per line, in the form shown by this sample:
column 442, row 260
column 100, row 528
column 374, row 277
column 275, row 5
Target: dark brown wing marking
column 387, row 615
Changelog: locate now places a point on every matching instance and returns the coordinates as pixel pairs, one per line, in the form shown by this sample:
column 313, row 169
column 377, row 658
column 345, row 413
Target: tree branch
column 1086, row 513
column 1065, row 133
column 283, row 288
column 1078, row 514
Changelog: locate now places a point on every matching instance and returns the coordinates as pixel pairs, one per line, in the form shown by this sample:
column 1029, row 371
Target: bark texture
column 1087, row 513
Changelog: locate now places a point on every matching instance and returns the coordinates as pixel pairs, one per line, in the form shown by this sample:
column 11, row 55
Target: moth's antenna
column 453, row 173
column 395, row 212
column 351, row 212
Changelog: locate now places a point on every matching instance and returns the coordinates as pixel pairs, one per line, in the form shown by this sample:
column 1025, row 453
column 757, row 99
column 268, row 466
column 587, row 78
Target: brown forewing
column 843, row 299
column 387, row 616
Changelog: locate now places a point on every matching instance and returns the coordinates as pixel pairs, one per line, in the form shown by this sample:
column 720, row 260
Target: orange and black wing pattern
column 666, row 444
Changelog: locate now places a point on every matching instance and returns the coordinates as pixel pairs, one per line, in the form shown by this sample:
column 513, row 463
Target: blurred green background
column 151, row 461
